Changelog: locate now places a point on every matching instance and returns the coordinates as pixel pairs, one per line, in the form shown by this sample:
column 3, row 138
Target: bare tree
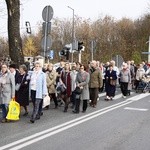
column 14, row 38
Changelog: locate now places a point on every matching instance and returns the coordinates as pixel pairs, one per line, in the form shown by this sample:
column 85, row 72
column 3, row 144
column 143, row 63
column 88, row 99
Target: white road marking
column 138, row 97
column 137, row 109
column 101, row 94
column 59, row 126
column 51, row 131
column 65, row 128
column 117, row 96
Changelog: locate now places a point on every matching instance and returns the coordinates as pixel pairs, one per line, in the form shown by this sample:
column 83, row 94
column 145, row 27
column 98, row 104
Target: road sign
column 145, row 52
column 46, row 43
column 47, row 13
column 51, row 54
column 46, row 28
column 119, row 60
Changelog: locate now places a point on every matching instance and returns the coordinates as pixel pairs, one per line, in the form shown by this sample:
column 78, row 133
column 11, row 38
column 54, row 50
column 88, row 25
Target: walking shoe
column 124, row 96
column 107, row 98
column 41, row 114
column 37, row 117
column 91, row 104
column 55, row 107
column 25, row 114
column 4, row 120
column 75, row 112
column 94, row 106
column 83, row 111
column 65, row 110
column 32, row 120
column 46, row 108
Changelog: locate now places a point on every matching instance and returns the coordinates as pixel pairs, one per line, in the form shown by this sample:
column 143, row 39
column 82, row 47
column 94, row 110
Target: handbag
column 78, row 90
column 17, row 86
column 13, row 110
column 112, row 82
column 46, row 101
column 61, row 88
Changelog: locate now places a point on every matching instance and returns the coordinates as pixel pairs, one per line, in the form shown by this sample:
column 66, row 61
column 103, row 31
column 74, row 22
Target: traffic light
column 65, row 52
column 80, row 46
column 62, row 52
column 28, row 27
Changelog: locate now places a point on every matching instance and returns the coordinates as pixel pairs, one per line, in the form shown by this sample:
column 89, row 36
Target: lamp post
column 149, row 50
column 73, row 33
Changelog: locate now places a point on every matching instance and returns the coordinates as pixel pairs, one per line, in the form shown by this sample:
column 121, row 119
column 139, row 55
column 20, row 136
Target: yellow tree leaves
column 29, row 47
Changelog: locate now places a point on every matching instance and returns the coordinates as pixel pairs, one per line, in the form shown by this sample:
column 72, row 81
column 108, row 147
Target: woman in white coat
column 38, row 91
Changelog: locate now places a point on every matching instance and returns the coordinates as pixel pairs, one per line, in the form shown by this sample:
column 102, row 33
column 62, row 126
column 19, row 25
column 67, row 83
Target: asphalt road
column 121, row 124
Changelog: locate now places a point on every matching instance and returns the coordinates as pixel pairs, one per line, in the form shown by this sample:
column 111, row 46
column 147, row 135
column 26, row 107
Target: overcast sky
column 31, row 10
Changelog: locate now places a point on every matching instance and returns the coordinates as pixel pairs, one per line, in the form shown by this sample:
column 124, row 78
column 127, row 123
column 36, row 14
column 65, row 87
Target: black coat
column 16, row 75
column 22, row 96
column 110, row 89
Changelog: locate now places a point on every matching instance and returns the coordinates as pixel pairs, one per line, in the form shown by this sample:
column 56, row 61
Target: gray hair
column 24, row 67
column 37, row 63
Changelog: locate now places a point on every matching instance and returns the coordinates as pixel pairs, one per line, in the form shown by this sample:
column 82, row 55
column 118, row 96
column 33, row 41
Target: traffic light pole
column 47, row 15
column 73, row 33
column 92, row 49
column 80, row 53
column 45, row 41
column 149, row 50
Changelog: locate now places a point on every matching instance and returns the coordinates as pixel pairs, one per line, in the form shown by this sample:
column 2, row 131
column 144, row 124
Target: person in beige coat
column 51, row 83
column 7, row 90
column 95, row 83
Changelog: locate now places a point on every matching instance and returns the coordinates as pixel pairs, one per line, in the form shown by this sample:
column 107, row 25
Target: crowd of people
column 69, row 84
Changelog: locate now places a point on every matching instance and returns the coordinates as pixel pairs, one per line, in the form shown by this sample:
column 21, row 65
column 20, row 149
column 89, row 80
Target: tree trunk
column 14, row 38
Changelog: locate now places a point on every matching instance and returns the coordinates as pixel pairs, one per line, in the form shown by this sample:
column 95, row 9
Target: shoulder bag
column 17, row 86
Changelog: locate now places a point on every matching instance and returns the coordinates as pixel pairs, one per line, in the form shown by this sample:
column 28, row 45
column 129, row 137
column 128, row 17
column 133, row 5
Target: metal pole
column 73, row 33
column 80, row 56
column 149, row 50
column 92, row 49
column 45, row 36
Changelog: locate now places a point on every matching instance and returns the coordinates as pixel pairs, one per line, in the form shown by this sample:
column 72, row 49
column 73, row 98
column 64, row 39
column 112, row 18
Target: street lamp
column 73, row 33
column 148, row 49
